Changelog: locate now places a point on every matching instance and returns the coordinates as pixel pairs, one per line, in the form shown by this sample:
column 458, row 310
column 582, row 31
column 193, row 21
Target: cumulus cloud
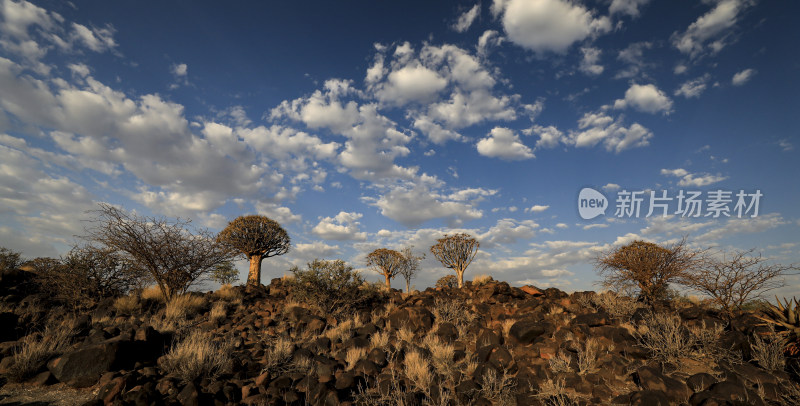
column 710, row 32
column 629, row 7
column 693, row 88
column 466, row 19
column 590, row 62
column 742, row 77
column 537, row 208
column 633, row 57
column 646, row 98
column 597, row 127
column 415, row 204
column 692, row 179
column 548, row 25
column 343, row 226
column 96, row 39
column 504, row 144
column 745, row 225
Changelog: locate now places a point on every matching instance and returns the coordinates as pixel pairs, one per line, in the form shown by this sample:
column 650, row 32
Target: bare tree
column 175, row 254
column 410, row 265
column 456, row 252
column 255, row 237
column 646, row 267
column 386, row 262
column 734, row 278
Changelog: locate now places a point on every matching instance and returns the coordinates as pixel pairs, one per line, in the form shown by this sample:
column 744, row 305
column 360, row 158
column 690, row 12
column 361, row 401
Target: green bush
column 448, row 281
column 332, row 286
column 225, row 274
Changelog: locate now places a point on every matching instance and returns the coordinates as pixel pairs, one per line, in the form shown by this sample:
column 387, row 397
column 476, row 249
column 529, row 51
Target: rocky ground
column 488, row 343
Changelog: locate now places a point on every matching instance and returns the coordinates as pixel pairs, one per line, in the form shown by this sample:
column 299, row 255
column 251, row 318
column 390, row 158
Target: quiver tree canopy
column 456, row 252
column 256, row 237
column 386, row 262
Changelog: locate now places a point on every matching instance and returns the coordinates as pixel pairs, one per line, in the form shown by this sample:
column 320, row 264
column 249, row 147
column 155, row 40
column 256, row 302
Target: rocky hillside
column 486, row 344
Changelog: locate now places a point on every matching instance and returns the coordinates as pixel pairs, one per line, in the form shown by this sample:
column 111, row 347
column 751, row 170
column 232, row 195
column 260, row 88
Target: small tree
column 225, row 274
column 456, row 252
column 9, row 260
column 410, row 265
column 174, row 254
column 255, row 237
column 332, row 286
column 732, row 279
column 386, row 262
column 647, row 267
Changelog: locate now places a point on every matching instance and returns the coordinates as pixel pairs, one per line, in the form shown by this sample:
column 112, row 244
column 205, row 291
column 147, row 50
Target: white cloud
column 742, row 77
column 281, row 214
column 180, row 69
column 785, row 145
column 549, row 137
column 96, row 39
column 691, row 179
column 745, row 225
column 316, row 250
column 610, row 187
column 589, row 64
column 629, row 7
column 711, row 30
column 344, row 226
column 487, row 41
column 549, row 25
column 507, row 232
column 503, row 143
column 465, row 20
column 693, row 88
column 597, row 127
column 413, row 83
column 537, row 208
column 414, row 204
column 645, row 98
column 633, row 57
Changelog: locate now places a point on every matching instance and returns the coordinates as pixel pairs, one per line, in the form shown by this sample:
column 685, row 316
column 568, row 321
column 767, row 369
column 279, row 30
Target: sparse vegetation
column 387, row 263
column 646, row 268
column 9, row 259
column 447, row 282
column 786, row 318
column 257, row 238
column 37, row 348
column 410, row 265
column 175, row 255
column 196, row 356
column 225, row 274
column 184, row 307
column 331, row 286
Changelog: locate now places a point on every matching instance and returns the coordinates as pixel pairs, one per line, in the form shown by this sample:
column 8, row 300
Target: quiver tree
column 410, row 265
column 456, row 252
column 647, row 268
column 173, row 253
column 386, row 262
column 255, row 237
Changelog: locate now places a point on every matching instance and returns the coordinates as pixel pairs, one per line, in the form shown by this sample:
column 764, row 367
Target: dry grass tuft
column 279, row 355
column 418, row 370
column 481, row 279
column 228, row 292
column 219, row 311
column 442, row 354
column 126, row 304
column 37, row 348
column 184, row 306
column 404, row 334
column 379, row 340
column 198, row 355
column 354, row 355
column 553, row 393
column 452, row 311
column 498, row 388
column 153, row 293
column 587, row 356
column 665, row 336
column 768, row 351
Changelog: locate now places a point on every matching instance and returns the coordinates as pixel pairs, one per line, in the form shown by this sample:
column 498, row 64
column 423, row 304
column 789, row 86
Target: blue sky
column 362, row 125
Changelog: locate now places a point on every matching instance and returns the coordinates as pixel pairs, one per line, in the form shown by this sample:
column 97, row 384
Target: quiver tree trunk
column 460, row 274
column 254, row 275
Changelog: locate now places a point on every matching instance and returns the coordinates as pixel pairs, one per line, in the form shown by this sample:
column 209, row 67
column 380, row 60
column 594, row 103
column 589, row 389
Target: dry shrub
column 219, row 311
column 126, row 304
column 418, row 370
column 452, row 311
column 165, row 325
column 665, row 336
column 279, row 355
column 442, row 354
column 198, row 355
column 184, row 306
column 38, row 348
column 481, row 279
column 617, row 306
column 587, row 356
column 553, row 393
column 560, row 362
column 768, row 350
column 228, row 292
column 405, row 334
column 498, row 388
column 354, row 355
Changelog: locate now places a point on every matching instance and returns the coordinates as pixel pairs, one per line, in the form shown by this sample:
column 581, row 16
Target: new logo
column 591, row 203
